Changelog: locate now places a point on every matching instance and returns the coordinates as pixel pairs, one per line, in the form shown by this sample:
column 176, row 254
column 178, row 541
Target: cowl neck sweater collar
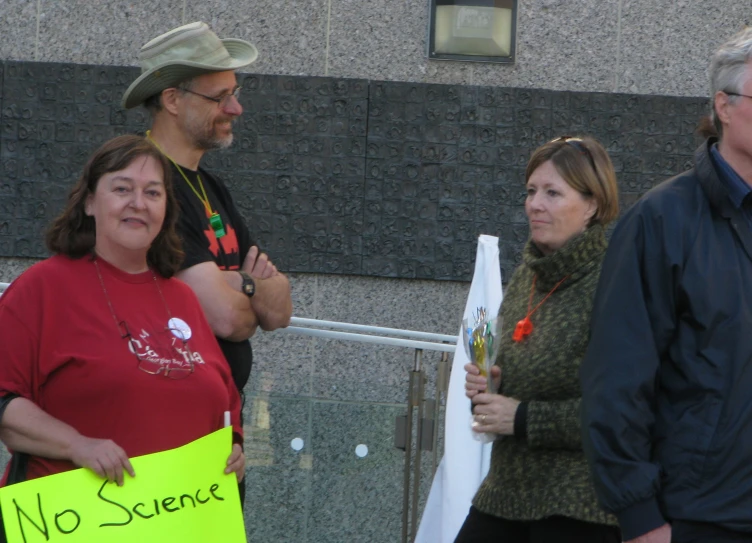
column 575, row 259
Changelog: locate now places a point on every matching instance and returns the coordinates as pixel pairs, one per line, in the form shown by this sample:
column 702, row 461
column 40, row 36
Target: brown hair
column 706, row 128
column 586, row 167
column 73, row 232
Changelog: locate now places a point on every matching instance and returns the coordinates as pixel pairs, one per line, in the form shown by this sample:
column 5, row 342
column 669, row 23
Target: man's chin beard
column 224, row 143
column 215, row 143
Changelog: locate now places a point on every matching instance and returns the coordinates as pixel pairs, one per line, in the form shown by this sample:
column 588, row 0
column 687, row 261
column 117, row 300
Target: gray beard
column 213, row 144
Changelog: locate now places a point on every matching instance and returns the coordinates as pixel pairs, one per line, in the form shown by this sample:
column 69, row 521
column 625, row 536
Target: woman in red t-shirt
column 105, row 355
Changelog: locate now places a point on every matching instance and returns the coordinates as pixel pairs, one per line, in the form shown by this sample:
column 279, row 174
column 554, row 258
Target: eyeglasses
column 578, row 144
column 223, row 101
column 171, row 361
column 736, row 94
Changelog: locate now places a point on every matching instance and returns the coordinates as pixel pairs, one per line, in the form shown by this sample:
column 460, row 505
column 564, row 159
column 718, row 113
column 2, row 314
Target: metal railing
column 370, row 334
column 428, row 410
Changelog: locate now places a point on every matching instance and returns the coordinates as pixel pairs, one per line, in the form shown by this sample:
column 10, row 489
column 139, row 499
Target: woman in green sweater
column 538, row 488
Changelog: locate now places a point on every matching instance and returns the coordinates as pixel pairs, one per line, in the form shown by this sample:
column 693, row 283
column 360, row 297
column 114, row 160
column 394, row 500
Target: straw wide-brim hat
column 181, row 54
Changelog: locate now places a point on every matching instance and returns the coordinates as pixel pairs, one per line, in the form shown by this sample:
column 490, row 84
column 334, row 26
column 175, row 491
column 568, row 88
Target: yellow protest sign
column 181, row 495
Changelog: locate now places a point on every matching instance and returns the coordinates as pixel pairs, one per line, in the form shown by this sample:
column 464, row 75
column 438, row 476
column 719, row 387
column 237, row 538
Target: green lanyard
column 215, row 220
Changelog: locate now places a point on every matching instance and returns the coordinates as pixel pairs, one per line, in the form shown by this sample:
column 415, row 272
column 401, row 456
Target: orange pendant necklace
column 525, row 326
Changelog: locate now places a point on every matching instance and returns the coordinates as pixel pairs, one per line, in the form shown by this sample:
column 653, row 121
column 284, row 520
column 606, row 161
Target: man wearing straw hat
column 188, row 84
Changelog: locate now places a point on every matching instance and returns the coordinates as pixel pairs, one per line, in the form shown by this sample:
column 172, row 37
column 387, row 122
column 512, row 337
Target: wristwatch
column 249, row 285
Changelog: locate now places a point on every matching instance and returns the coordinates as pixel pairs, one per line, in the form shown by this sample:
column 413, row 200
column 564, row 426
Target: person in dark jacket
column 667, row 379
column 538, row 488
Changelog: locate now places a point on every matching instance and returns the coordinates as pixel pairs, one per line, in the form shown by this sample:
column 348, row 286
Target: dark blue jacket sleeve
column 633, row 321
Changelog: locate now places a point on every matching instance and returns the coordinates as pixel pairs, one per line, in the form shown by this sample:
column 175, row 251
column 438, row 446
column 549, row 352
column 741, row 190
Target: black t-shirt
column 201, row 245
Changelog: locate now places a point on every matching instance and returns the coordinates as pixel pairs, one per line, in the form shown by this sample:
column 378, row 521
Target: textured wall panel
column 343, row 176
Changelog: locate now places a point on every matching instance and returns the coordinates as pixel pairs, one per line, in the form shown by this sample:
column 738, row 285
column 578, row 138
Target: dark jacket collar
column 738, row 189
column 718, row 194
column 714, row 187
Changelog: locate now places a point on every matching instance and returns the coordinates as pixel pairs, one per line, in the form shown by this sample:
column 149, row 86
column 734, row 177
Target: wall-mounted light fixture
column 472, row 30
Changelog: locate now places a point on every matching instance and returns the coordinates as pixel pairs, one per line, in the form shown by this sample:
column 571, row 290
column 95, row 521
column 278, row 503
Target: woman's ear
column 88, row 205
column 591, row 210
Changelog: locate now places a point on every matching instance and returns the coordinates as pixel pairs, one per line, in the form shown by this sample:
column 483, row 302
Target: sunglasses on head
column 579, row 144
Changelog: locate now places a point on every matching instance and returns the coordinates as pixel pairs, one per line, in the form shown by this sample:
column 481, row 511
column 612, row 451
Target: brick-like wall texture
column 343, row 176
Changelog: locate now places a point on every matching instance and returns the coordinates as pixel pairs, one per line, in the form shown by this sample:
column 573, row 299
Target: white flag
column 465, row 462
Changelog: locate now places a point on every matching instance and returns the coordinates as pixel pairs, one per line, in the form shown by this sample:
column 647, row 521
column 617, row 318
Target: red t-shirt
column 61, row 348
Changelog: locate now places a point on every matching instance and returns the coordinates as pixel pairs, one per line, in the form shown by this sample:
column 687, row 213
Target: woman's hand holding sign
column 28, row 428
column 236, row 462
column 103, row 456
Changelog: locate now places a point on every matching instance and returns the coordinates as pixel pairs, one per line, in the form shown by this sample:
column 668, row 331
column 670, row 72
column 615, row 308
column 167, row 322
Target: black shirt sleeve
column 520, row 421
